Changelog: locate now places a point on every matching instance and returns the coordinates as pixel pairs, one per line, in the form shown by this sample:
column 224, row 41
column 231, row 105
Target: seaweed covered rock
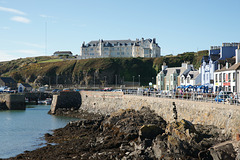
column 132, row 134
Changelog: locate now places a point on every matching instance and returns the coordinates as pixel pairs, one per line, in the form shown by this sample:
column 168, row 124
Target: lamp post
column 56, row 80
column 139, row 80
column 94, row 79
column 105, row 81
column 116, row 80
column 133, row 81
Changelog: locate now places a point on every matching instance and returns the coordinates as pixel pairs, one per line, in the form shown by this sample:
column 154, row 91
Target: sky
column 30, row 28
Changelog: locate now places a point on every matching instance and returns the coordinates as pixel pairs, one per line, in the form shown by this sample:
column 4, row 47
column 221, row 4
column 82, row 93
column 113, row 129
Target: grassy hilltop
column 45, row 70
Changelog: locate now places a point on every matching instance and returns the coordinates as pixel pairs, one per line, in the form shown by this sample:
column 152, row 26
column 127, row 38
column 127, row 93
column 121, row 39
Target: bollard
column 174, row 112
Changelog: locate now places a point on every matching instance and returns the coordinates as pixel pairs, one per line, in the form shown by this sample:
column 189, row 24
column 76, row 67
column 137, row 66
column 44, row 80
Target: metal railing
column 231, row 99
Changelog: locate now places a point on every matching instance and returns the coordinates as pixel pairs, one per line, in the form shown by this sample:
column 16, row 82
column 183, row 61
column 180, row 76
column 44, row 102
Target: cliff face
column 85, row 72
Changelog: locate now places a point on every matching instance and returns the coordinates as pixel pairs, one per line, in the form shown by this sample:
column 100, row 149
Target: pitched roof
column 193, row 74
column 26, row 85
column 214, row 57
column 7, row 80
column 178, row 70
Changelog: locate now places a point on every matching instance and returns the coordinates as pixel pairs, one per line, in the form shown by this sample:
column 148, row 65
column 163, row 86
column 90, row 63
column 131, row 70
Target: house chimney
column 164, row 66
column 237, row 52
column 219, row 66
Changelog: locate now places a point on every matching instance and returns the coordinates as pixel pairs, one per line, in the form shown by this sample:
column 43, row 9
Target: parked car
column 117, row 90
column 222, row 98
column 225, row 93
column 66, row 90
column 55, row 90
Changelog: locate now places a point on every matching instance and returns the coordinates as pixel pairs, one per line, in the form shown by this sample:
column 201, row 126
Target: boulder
column 223, row 151
column 149, row 131
column 183, row 130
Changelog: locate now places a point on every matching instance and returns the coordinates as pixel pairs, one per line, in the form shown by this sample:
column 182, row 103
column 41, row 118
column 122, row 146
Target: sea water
column 24, row 130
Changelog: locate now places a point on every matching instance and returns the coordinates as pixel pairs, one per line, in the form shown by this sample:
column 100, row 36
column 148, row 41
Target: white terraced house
column 120, row 48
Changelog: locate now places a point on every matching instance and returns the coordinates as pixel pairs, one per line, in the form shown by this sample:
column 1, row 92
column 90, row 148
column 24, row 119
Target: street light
column 105, row 81
column 94, row 80
column 116, row 79
column 133, row 81
column 139, row 79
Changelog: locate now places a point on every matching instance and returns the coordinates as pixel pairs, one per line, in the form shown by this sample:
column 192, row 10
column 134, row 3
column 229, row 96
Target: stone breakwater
column 66, row 100
column 226, row 117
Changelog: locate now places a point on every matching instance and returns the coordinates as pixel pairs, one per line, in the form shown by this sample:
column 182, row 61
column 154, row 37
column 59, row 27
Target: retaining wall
column 223, row 116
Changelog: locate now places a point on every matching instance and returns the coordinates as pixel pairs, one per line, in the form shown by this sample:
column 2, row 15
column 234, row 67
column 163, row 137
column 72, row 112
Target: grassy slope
column 30, row 68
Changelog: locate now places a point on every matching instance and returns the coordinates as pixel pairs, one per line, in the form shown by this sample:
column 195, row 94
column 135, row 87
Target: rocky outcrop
column 132, row 134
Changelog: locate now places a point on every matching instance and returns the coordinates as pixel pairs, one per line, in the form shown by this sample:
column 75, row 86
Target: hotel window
column 216, row 77
column 118, row 53
column 224, row 77
column 220, row 77
column 122, row 53
column 174, row 78
column 233, row 77
column 91, row 49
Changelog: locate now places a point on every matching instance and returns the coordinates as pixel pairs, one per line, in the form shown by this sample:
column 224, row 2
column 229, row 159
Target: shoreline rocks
column 132, row 134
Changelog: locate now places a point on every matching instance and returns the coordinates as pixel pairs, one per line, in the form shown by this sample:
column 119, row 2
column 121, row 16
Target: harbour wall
column 12, row 102
column 224, row 116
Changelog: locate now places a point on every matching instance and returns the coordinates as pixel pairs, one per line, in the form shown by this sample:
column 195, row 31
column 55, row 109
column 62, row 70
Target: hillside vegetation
column 47, row 70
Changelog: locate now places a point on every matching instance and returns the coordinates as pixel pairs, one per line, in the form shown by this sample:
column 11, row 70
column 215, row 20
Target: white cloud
column 11, row 10
column 5, row 56
column 8, row 55
column 29, row 53
column 20, row 19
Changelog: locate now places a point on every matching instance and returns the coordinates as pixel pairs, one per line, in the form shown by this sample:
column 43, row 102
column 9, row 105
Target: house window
column 229, row 77
column 188, row 80
column 182, row 79
column 174, row 78
column 220, row 77
column 233, row 77
column 216, row 78
column 224, row 77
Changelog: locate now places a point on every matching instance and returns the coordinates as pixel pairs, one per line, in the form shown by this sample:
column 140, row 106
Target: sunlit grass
column 51, row 60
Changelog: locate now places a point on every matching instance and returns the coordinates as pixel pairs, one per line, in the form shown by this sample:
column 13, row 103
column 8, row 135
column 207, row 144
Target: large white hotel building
column 120, row 48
